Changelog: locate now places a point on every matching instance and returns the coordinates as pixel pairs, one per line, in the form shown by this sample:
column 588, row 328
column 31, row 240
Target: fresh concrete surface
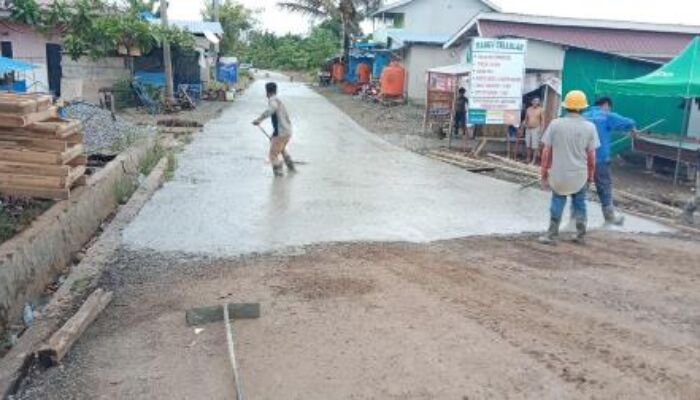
column 356, row 187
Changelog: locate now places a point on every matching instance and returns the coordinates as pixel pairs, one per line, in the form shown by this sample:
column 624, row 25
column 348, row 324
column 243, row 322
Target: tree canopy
column 235, row 19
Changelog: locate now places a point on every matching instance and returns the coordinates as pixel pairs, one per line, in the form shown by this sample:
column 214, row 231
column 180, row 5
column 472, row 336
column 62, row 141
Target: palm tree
column 348, row 12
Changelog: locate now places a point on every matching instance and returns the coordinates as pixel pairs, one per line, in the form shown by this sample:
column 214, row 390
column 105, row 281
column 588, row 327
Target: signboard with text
column 496, row 89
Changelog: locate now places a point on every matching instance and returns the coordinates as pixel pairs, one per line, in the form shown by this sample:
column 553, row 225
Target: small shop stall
column 442, row 92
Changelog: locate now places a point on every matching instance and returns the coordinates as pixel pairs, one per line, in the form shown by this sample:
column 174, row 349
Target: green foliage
column 124, row 188
column 293, row 52
column 152, row 159
column 25, row 12
column 235, row 19
column 97, row 28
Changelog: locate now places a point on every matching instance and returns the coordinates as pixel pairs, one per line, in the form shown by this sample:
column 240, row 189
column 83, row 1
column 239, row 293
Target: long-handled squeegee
column 206, row 315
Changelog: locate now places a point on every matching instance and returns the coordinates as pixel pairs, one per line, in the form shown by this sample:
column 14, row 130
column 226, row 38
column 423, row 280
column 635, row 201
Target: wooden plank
column 33, row 169
column 38, row 181
column 33, row 143
column 79, row 160
column 52, row 126
column 57, row 126
column 31, row 157
column 72, row 153
column 82, row 181
column 206, row 315
column 21, row 121
column 61, row 342
column 39, row 193
column 23, row 103
column 28, row 132
column 75, row 174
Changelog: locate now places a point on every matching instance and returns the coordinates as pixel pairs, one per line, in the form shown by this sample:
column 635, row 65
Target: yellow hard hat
column 575, row 100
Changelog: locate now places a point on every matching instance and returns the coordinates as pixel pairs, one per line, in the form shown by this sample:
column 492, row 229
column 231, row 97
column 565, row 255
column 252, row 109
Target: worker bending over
column 606, row 122
column 281, row 130
column 568, row 165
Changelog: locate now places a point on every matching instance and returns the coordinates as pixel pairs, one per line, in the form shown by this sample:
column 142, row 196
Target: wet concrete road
column 355, row 187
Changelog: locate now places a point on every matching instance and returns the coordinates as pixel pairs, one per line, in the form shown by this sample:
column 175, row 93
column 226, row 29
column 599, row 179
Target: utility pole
column 167, row 58
column 215, row 9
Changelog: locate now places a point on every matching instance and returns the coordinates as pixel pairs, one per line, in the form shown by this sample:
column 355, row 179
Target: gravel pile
column 104, row 134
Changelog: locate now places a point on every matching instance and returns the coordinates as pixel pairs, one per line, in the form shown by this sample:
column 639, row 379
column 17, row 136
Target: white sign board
column 496, row 90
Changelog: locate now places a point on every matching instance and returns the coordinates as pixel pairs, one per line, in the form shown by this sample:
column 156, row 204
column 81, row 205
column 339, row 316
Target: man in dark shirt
column 461, row 112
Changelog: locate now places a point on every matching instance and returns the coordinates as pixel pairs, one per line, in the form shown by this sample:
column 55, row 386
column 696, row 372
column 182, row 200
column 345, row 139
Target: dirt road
column 367, row 289
column 479, row 318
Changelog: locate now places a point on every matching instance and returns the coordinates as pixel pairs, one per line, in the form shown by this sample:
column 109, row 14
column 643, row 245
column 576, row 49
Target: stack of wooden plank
column 40, row 155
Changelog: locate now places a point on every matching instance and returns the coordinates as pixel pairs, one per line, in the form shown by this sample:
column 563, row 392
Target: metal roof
column 416, row 37
column 198, row 27
column 625, row 42
column 632, row 39
column 400, row 3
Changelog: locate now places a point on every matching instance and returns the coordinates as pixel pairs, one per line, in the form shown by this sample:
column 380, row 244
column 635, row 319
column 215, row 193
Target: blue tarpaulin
column 227, row 73
column 9, row 65
column 381, row 60
column 156, row 79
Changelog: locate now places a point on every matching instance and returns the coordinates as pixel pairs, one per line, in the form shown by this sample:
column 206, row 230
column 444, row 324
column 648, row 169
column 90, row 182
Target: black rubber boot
column 277, row 170
column 289, row 162
column 552, row 235
column 580, row 237
column 611, row 217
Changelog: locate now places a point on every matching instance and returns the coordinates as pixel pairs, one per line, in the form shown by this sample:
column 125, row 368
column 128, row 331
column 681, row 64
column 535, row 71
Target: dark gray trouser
column 603, row 184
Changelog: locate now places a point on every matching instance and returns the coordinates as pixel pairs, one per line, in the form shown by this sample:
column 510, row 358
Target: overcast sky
column 667, row 11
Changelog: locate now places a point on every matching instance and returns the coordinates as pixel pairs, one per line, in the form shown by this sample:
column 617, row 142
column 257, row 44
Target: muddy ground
column 477, row 318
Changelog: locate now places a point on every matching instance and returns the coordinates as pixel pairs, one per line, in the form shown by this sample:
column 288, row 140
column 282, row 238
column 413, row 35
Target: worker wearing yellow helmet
column 568, row 165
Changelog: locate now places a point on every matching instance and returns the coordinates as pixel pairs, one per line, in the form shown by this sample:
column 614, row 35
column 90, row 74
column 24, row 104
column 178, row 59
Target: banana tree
column 349, row 12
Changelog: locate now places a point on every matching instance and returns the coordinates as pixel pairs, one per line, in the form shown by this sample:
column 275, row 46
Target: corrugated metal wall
column 583, row 68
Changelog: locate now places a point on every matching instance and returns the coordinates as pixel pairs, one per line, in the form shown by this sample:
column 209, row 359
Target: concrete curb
column 81, row 281
column 30, row 261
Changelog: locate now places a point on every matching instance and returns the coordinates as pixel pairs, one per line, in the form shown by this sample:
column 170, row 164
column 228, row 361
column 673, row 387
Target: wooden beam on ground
column 207, row 315
column 61, row 342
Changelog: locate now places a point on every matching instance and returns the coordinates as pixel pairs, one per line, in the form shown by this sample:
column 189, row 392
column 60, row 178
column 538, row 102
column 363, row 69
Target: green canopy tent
column 680, row 78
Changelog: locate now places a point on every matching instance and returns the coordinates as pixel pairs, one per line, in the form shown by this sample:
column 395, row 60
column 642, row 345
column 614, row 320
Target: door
column 53, row 65
column 6, row 49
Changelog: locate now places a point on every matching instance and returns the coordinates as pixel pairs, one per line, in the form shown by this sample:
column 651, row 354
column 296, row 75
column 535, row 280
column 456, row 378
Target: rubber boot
column 289, row 162
column 552, row 234
column 611, row 217
column 580, row 237
column 277, row 170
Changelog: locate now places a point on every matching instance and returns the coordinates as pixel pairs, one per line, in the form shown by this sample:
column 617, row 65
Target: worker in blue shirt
column 606, row 122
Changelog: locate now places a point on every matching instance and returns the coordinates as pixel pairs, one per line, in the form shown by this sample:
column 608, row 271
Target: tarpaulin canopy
column 679, row 78
column 9, row 65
